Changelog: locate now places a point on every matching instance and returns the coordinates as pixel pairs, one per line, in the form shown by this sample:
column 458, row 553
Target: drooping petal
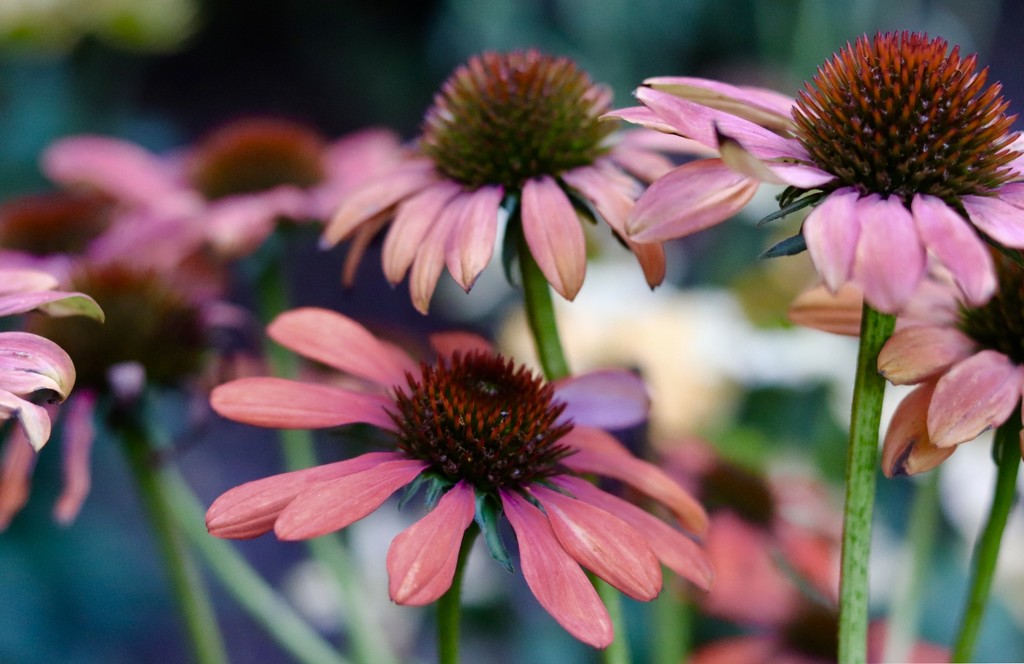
column 889, row 261
column 52, row 303
column 977, row 394
column 692, row 197
column 334, row 504
column 1000, row 220
column 429, row 261
column 819, row 309
column 237, row 225
column 831, row 231
column 29, row 363
column 611, row 193
column 607, row 399
column 471, row 241
column 603, row 543
column 249, row 510
column 951, row 238
column 908, row 449
column 413, row 220
column 19, row 459
column 34, row 420
column 554, row 235
column 79, row 434
column 556, row 580
column 651, row 256
column 421, row 560
column 289, row 404
column 338, row 341
column 598, row 452
column 914, row 354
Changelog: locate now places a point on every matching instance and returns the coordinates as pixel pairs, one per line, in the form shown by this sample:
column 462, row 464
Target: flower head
column 510, row 134
column 486, row 437
column 898, row 142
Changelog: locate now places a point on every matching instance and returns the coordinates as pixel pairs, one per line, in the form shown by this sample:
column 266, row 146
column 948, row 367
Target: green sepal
column 788, row 247
column 792, row 207
column 488, row 517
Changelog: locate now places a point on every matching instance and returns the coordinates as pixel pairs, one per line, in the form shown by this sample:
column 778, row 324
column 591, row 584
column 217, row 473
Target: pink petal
column 831, row 231
column 889, row 261
column 837, row 313
column 29, row 363
column 77, row 440
column 470, row 244
column 421, row 560
column 358, row 244
column 447, row 343
column 914, row 354
column 19, row 459
column 762, row 106
column 290, row 404
column 34, row 420
column 951, row 238
column 907, row 449
column 555, row 578
column 334, row 504
column 249, row 510
column 413, row 220
column 645, row 117
column 430, row 259
column 53, row 303
column 608, row 399
column 675, row 550
column 611, row 192
column 1000, row 220
column 338, row 341
column 24, row 280
column 977, row 394
column 603, row 543
column 238, row 225
column 597, row 452
column 651, row 257
column 691, row 198
column 554, row 235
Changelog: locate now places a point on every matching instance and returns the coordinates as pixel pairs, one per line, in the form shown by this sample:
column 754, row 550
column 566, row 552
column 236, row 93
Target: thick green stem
column 185, row 578
column 449, row 606
column 672, row 626
column 861, row 469
column 1006, row 451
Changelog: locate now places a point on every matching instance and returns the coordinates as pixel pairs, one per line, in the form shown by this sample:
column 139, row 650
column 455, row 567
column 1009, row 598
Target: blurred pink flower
column 514, row 135
column 900, row 147
column 476, row 428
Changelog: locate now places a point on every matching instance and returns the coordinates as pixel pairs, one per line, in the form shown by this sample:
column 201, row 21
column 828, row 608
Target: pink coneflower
column 897, row 142
column 477, row 430
column 230, row 189
column 510, row 135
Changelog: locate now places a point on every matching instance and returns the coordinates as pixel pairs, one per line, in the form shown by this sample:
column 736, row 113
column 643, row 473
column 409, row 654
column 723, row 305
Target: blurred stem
column 540, row 314
column 861, row 469
column 1006, row 453
column 905, row 610
column 185, row 578
column 368, row 641
column 449, row 605
column 246, row 585
column 671, row 628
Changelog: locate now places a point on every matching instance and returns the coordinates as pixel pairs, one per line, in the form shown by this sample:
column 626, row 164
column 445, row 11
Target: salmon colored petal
column 675, row 550
column 470, row 244
column 907, row 449
column 557, row 581
column 611, row 192
column 249, row 510
column 19, row 459
column 289, row 404
column 598, row 452
column 692, row 197
column 651, row 256
column 975, row 395
column 447, row 343
column 889, row 261
column 554, row 235
column 429, row 261
column 914, row 354
column 413, row 220
column 819, row 309
column 603, row 543
column 34, row 420
column 957, row 246
column 997, row 218
column 77, row 439
column 334, row 504
column 338, row 341
column 607, row 399
column 831, row 231
column 29, row 363
column 421, row 560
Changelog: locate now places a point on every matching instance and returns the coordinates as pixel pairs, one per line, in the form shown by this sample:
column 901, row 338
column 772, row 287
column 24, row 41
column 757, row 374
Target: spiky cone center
column 503, row 118
column 478, row 417
column 146, row 322
column 54, row 223
column 999, row 324
column 900, row 114
column 728, row 486
column 255, row 155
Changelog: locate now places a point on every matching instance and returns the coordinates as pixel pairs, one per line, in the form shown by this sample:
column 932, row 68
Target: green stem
column 185, row 578
column 861, row 469
column 246, row 585
column 618, row 651
column 449, row 605
column 1006, row 452
column 671, row 628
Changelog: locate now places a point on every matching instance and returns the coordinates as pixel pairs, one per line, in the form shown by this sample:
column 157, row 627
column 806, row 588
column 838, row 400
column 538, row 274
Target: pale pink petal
column 29, row 363
column 556, row 580
column 1001, row 221
column 645, row 117
column 831, row 231
column 290, row 404
column 554, row 235
column 675, row 550
column 151, row 240
column 238, row 225
column 447, row 343
column 359, row 242
column 603, row 543
column 608, row 399
column 612, row 193
column 338, row 341
column 34, row 420
column 889, row 261
column 914, row 354
column 79, row 434
column 691, row 198
column 334, row 504
column 19, row 459
column 23, row 280
column 908, row 449
column 598, row 452
column 470, row 243
column 429, row 261
column 819, row 309
column 249, row 510
column 977, row 394
column 53, row 303
column 763, row 106
column 421, row 560
column 413, row 220
column 953, row 241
